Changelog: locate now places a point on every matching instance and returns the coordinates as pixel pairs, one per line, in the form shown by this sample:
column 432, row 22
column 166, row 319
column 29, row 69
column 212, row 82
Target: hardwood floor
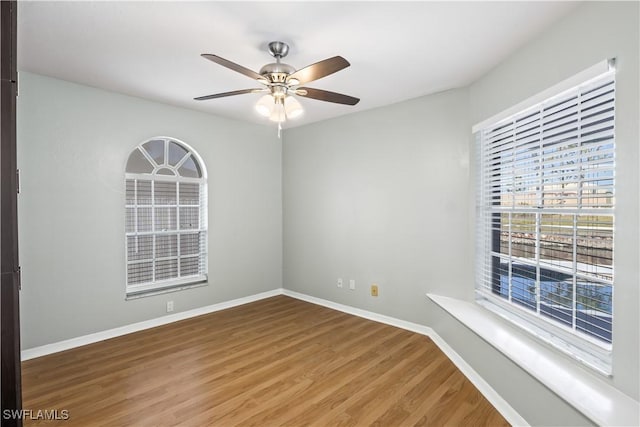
column 278, row 361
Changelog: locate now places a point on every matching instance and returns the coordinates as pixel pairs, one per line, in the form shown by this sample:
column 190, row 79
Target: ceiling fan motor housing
column 277, row 72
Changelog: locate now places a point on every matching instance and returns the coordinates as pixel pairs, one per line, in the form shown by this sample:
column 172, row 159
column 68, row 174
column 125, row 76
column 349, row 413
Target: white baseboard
column 501, row 405
column 511, row 415
column 487, row 391
column 403, row 324
column 43, row 350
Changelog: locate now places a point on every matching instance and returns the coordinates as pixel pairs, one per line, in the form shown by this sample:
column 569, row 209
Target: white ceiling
column 152, row 50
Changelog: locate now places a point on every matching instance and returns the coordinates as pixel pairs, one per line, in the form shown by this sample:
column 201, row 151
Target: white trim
column 166, row 178
column 43, row 350
column 166, row 290
column 160, row 285
column 189, row 148
column 507, row 411
column 596, row 399
column 575, row 80
column 501, row 405
column 409, row 326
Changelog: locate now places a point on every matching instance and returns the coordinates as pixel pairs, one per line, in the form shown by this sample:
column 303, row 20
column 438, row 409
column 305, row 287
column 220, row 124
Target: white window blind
column 545, row 218
column 166, row 213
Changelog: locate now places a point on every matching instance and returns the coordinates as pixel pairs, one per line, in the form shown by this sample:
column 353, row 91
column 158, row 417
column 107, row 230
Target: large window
column 166, row 217
column 545, row 209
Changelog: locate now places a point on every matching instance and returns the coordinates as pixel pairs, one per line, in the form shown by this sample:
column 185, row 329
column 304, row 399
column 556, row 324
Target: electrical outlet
column 352, row 284
column 169, row 306
column 339, row 283
column 374, row 290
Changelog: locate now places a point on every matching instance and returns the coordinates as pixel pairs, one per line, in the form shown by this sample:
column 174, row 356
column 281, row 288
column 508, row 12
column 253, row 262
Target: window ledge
column 165, row 290
column 594, row 398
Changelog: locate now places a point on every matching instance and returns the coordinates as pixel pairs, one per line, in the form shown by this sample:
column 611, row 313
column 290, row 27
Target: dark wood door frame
column 10, row 372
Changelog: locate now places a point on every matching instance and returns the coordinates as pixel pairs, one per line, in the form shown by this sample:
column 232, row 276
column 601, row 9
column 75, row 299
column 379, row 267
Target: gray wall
column 381, row 197
column 387, row 195
column 73, row 142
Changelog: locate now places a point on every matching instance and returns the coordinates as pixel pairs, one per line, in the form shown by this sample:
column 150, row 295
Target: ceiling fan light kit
column 281, row 82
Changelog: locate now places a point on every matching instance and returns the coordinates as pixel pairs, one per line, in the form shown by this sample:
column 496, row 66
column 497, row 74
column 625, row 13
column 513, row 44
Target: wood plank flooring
column 278, row 361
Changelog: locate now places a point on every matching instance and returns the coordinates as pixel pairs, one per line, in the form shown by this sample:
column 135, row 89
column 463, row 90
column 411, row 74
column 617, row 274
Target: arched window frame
column 164, row 247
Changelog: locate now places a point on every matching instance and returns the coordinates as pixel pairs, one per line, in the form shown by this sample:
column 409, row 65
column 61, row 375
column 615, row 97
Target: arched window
column 166, row 217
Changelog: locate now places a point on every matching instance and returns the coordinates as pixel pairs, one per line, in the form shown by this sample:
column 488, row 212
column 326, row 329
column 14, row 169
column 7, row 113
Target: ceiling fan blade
column 318, row 70
column 235, row 67
column 325, row 95
column 232, row 93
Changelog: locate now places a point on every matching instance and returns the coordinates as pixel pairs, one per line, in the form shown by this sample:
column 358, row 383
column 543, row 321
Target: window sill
column 591, row 354
column 594, row 398
column 158, row 291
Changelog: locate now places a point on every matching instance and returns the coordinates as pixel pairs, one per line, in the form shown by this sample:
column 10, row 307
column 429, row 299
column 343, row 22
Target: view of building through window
column 563, row 239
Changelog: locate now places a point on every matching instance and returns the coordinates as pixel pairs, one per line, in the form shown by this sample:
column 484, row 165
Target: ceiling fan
column 282, row 81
